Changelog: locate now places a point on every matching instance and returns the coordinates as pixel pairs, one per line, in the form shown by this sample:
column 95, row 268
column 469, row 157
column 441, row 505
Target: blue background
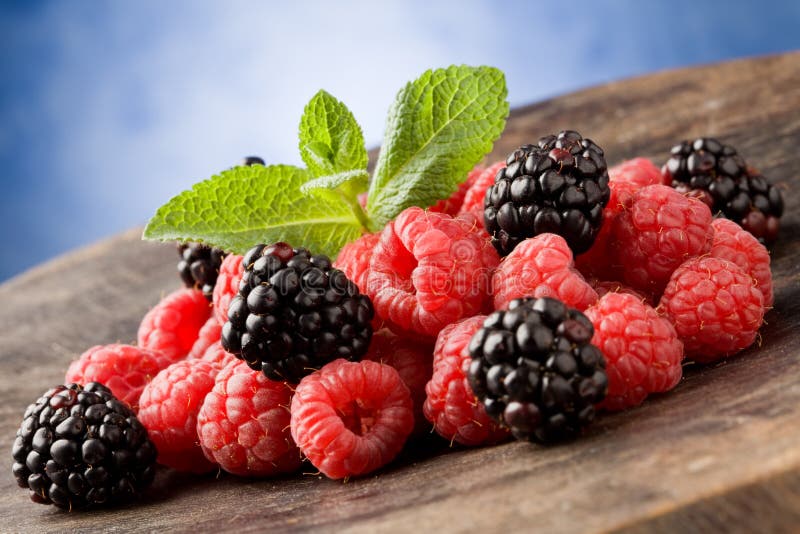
column 107, row 109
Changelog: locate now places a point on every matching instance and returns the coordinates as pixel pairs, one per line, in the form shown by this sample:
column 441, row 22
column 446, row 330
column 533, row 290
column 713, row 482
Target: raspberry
column 659, row 231
column 541, row 267
column 639, row 172
column 413, row 361
column 715, row 307
column 173, row 325
column 535, row 371
column 243, row 424
column 642, row 351
column 429, row 270
column 354, row 259
column 218, row 355
column 351, row 418
column 450, row 405
column 604, row 287
column 79, row 447
column 123, row 369
column 476, row 194
column 735, row 244
column 207, row 336
column 558, row 186
column 168, row 409
column 227, row 286
column 452, row 205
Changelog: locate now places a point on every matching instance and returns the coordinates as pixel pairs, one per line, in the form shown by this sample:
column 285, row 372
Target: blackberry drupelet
column 252, row 160
column 78, row 446
column 719, row 176
column 199, row 266
column 535, row 371
column 559, row 186
column 294, row 313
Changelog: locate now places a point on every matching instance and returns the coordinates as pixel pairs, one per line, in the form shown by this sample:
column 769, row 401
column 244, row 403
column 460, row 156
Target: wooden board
column 719, row 453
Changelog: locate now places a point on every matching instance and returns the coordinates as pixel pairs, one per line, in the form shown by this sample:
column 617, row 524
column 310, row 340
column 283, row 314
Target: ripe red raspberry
column 541, row 266
column 637, row 171
column 218, row 355
column 429, row 270
column 351, row 418
column 124, row 369
column 208, row 335
column 452, row 205
column 451, row 405
column 227, row 286
column 715, row 307
column 168, row 409
column 172, row 326
column 473, row 200
column 735, row 244
column 642, row 350
column 659, row 231
column 354, row 259
column 413, row 361
column 243, row 424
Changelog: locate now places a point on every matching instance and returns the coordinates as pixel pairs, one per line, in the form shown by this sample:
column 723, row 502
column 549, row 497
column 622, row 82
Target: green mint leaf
column 244, row 206
column 439, row 127
column 355, row 180
column 330, row 138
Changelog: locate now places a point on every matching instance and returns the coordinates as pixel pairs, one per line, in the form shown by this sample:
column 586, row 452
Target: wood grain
column 719, row 453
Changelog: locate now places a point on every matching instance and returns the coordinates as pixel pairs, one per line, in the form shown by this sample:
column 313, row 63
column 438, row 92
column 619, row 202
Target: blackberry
column 79, row 447
column 719, row 176
column 199, row 266
column 252, row 160
column 558, row 186
column 294, row 313
column 535, row 371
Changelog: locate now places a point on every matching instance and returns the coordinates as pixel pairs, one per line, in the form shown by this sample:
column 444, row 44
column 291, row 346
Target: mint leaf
column 357, row 180
column 439, row 127
column 244, row 206
column 330, row 138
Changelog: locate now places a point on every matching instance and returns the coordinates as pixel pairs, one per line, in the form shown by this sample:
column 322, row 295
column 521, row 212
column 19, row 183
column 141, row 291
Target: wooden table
column 719, row 453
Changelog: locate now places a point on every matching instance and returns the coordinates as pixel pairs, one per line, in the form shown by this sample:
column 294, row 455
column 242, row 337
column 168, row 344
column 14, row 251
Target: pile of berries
column 549, row 288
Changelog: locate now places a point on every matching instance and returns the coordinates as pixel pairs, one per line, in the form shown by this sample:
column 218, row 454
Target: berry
column 476, row 194
column 559, row 186
column 294, row 313
column 413, row 361
column 168, row 409
column 429, row 270
column 639, row 172
column 715, row 307
column 450, row 404
column 218, row 355
column 79, row 447
column 452, row 205
column 207, row 336
column 351, row 418
column 230, row 273
column 718, row 175
column 535, row 370
column 354, row 258
column 541, row 267
column 733, row 243
column 243, row 424
column 642, row 351
column 124, row 369
column 173, row 325
column 604, row 287
column 657, row 232
column 252, row 160
column 199, row 266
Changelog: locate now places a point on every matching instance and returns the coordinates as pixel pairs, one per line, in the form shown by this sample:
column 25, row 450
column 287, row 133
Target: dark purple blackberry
column 535, row 370
column 558, row 186
column 199, row 266
column 79, row 447
column 252, row 160
column 719, row 176
column 294, row 313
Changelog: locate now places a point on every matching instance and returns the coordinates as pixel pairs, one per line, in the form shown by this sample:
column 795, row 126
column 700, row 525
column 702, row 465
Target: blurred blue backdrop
column 107, row 109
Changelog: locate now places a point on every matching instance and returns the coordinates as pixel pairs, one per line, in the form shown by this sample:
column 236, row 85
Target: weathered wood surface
column 719, row 453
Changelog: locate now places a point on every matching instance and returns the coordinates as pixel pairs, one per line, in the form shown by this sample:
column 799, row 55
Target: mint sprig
column 438, row 128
